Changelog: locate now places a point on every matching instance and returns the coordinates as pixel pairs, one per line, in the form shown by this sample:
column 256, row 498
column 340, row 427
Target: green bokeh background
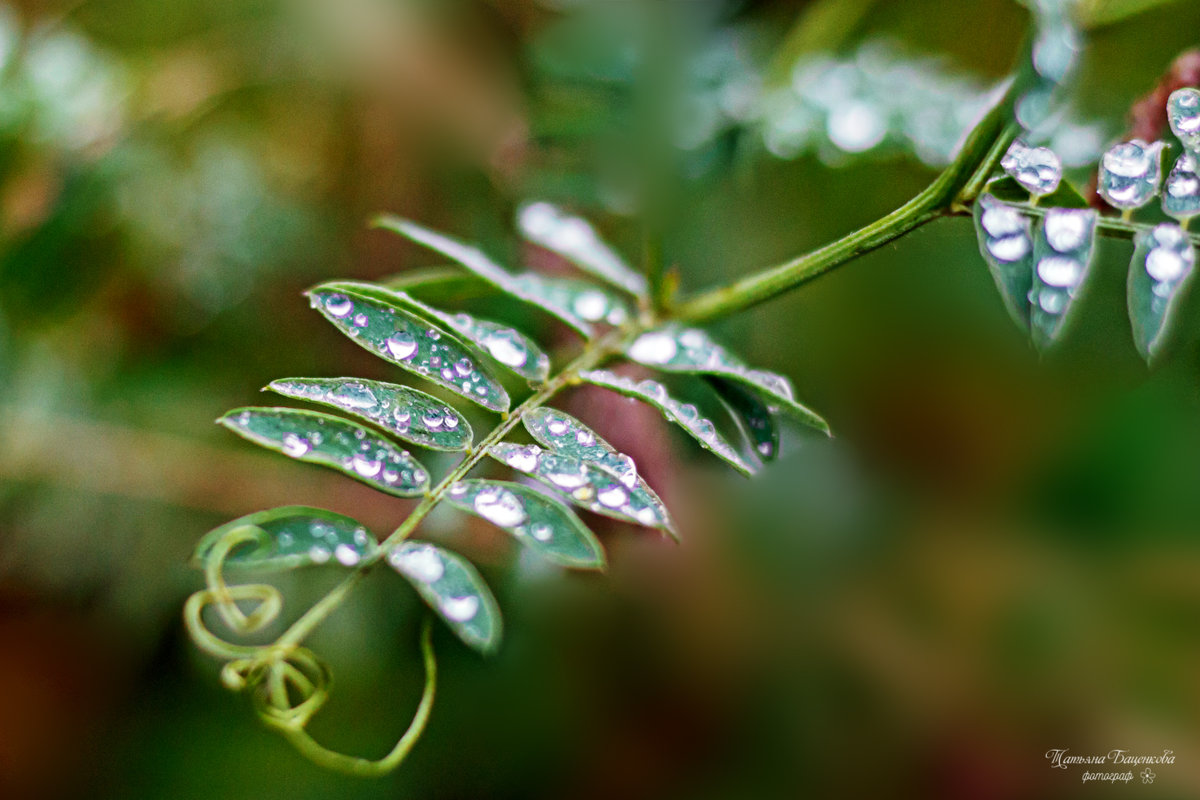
column 998, row 554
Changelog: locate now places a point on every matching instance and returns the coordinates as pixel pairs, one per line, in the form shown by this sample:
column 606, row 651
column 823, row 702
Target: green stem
column 958, row 183
column 321, row 755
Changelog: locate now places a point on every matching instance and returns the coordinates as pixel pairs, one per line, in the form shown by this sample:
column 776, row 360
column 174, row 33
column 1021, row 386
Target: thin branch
column 977, row 156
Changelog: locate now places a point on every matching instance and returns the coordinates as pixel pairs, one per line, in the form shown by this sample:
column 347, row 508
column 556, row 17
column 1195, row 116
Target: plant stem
column 965, row 174
column 593, row 355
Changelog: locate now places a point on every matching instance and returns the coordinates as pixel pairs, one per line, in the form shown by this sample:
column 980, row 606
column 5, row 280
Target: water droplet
column 590, row 305
column 354, row 395
column 585, row 438
column 460, row 609
column 1000, row 220
column 1066, row 231
column 1129, row 173
column 523, row 459
column 365, row 466
column 557, row 426
column 542, row 532
column 1183, row 112
column 318, row 554
column 360, row 320
column 346, row 555
column 505, row 346
column 648, row 516
column 500, row 507
column 613, row 496
column 1038, row 169
column 1060, row 271
column 656, row 347
column 433, row 334
column 401, row 345
column 568, row 480
column 464, row 367
column 1010, row 248
column 338, row 305
column 418, row 561
column 1052, row 301
column 856, row 126
column 295, row 446
column 1165, row 265
column 449, row 419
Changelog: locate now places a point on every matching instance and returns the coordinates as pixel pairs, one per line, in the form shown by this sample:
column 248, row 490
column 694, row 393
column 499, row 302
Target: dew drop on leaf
column 1130, row 173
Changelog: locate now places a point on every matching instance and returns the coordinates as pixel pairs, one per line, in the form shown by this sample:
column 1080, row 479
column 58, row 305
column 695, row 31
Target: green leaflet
column 453, row 589
column 675, row 348
column 574, row 238
column 290, row 537
column 683, row 414
column 505, row 345
column 536, row 520
column 559, row 431
column 1006, row 243
column 759, row 422
column 1162, row 264
column 1062, row 257
column 409, row 342
column 587, row 485
column 577, row 303
column 332, row 442
column 562, row 433
column 402, row 411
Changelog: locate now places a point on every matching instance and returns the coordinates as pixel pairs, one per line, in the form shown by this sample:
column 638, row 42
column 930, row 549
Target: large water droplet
column 1010, row 248
column 401, row 345
column 506, row 346
column 500, row 507
column 1038, row 169
column 1066, row 232
column 354, row 395
column 338, row 305
column 295, row 446
column 656, row 347
column 419, row 562
column 590, row 305
column 1060, row 271
column 460, row 609
column 1129, row 173
column 523, row 459
column 346, row 555
column 613, row 496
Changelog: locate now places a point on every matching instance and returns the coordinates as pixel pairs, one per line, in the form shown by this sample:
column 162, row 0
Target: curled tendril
column 288, row 683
